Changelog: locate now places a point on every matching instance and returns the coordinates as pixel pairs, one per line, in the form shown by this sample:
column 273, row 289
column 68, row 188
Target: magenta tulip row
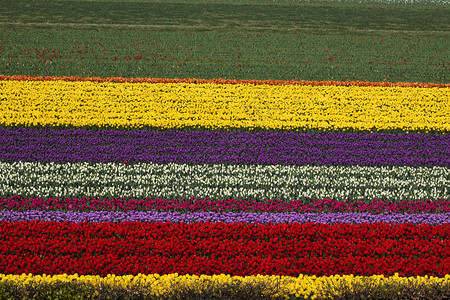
column 18, row 203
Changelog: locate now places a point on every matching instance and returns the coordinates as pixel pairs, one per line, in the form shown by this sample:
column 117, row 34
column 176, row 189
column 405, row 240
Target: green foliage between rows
column 330, row 16
column 212, row 54
column 280, row 40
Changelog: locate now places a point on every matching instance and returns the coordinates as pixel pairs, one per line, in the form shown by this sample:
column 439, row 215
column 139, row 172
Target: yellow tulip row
column 210, row 105
column 159, row 284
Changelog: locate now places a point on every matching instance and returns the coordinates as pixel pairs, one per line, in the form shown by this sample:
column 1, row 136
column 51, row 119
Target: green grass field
column 226, row 39
column 316, row 17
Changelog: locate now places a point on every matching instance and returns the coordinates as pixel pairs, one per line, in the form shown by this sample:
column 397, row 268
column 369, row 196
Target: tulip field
column 224, row 149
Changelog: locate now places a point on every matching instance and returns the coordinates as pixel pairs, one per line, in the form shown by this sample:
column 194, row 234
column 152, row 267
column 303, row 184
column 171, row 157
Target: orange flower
column 226, row 81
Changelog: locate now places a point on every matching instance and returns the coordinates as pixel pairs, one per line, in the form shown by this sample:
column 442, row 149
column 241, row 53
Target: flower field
column 163, row 160
column 175, row 105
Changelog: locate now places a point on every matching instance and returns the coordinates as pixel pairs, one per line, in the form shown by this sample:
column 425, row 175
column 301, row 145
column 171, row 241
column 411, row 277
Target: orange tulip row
column 227, row 81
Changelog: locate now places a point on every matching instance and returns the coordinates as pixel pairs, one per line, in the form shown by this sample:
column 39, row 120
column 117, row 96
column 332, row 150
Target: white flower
column 224, row 181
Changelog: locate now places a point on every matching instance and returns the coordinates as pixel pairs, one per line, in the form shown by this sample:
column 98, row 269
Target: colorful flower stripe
column 218, row 248
column 180, row 105
column 302, row 285
column 177, row 181
column 214, row 147
column 230, row 217
column 17, row 203
column 224, row 81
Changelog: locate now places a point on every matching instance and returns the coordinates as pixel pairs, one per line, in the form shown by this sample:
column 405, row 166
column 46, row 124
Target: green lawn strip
column 111, row 52
column 313, row 17
column 278, row 2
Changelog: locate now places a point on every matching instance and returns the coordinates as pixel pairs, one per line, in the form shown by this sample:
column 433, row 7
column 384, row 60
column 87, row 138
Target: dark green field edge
column 232, row 129
column 313, row 17
column 137, row 53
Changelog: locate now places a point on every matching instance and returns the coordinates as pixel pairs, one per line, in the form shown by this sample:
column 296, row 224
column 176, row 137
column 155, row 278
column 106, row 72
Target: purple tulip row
column 202, row 147
column 230, row 217
column 17, row 203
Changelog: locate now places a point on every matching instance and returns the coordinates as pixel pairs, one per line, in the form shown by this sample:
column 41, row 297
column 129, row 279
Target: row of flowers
column 84, row 235
column 17, row 203
column 302, row 285
column 232, row 147
column 218, row 248
column 180, row 105
column 224, row 81
column 251, row 182
column 230, row 217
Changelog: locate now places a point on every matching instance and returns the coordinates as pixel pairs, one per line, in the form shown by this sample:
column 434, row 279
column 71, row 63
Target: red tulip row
column 227, row 81
column 216, row 248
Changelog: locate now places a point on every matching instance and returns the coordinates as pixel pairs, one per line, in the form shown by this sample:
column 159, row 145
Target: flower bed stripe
column 230, row 217
column 180, row 105
column 218, row 248
column 17, row 203
column 252, row 182
column 219, row 147
column 224, row 81
column 302, row 285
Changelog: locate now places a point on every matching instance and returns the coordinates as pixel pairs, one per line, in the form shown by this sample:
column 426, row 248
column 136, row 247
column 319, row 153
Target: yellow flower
column 210, row 105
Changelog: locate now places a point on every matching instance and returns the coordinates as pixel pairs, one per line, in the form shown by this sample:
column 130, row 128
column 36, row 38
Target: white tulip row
column 359, row 183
